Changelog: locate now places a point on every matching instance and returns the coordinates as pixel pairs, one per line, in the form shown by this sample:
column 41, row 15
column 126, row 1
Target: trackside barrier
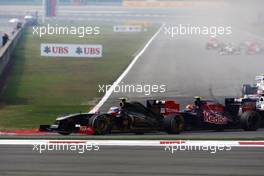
column 7, row 50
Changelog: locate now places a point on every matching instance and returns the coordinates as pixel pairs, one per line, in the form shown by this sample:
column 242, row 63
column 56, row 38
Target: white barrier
column 7, row 50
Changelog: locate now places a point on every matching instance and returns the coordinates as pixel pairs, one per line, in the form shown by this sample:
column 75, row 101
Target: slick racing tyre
column 173, row 124
column 250, row 121
column 101, row 124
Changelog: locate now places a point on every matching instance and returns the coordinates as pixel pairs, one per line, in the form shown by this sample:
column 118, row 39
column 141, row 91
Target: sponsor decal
column 171, row 110
column 214, row 118
column 70, row 50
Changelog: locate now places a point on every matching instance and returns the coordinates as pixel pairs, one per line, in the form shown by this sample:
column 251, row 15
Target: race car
column 229, row 49
column 213, row 43
column 256, row 89
column 128, row 117
column 254, row 48
column 208, row 114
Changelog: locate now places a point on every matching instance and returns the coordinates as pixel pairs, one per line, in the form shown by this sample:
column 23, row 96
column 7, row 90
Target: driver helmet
column 122, row 101
column 197, row 100
column 190, row 107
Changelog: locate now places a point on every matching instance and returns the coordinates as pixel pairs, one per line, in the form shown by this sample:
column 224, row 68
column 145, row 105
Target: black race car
column 131, row 117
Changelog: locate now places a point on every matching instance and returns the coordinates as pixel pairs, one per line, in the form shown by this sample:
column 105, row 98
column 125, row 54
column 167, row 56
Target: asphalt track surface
column 230, row 134
column 110, row 161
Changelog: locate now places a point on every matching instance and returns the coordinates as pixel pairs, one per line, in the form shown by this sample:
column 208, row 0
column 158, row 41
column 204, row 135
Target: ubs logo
column 56, row 50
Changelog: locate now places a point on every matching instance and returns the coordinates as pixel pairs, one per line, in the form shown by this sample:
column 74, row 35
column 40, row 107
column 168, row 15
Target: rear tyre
column 250, row 121
column 173, row 124
column 101, row 124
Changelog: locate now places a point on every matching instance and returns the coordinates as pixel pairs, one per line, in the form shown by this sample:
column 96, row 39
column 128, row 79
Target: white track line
column 111, row 89
column 139, row 143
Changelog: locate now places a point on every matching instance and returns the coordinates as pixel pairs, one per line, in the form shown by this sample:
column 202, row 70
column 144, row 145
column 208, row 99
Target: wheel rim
column 101, row 125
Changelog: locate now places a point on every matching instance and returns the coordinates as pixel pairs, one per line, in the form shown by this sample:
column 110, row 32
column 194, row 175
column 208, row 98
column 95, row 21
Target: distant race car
column 254, row 48
column 130, row 117
column 229, row 49
column 213, row 43
column 255, row 89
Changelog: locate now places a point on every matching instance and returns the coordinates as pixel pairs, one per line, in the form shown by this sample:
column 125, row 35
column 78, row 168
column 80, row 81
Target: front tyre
column 173, row 124
column 101, row 124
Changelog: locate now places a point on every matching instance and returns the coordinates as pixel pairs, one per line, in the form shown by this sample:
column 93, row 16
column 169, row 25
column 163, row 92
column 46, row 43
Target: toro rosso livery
column 208, row 114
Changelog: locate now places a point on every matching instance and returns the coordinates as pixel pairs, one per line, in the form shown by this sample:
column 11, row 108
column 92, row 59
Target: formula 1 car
column 255, row 89
column 229, row 49
column 208, row 114
column 254, row 48
column 213, row 43
column 130, row 117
